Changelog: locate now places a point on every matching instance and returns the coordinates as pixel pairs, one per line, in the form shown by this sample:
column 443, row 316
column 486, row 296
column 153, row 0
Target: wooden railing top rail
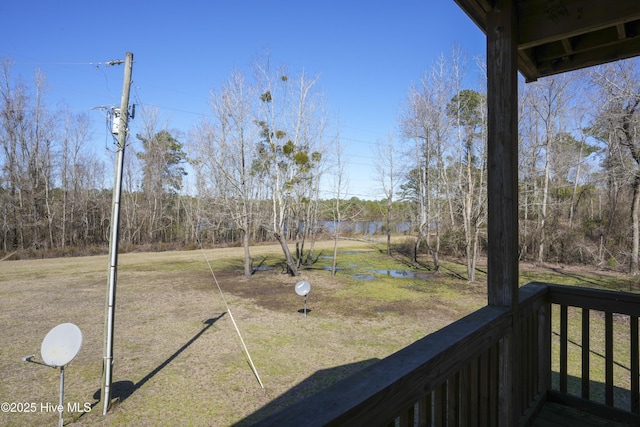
column 595, row 299
column 531, row 297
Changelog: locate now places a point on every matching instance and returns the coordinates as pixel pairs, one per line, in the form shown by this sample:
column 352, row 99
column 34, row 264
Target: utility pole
column 110, row 305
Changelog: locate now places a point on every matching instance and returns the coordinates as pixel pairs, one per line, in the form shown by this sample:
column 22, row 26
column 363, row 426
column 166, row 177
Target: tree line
column 261, row 159
column 579, row 195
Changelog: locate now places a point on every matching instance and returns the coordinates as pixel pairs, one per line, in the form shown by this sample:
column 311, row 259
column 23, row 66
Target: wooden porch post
column 502, row 187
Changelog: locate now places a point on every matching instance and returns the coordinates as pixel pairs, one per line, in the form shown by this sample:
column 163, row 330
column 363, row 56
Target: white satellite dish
column 303, row 287
column 61, row 345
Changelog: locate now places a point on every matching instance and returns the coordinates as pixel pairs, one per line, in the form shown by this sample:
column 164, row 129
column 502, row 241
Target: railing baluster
column 411, row 415
column 453, row 402
column 405, row 418
column 635, row 365
column 483, row 401
column 424, row 411
column 535, row 349
column 465, row 384
column 494, row 383
column 585, row 388
column 440, row 405
column 522, row 354
column 608, row 370
column 528, row 340
column 474, row 387
column 544, row 339
column 563, row 348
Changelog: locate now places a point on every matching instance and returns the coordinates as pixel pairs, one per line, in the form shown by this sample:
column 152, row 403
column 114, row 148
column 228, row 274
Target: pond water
column 356, row 272
column 363, row 277
column 405, row 274
column 366, row 227
column 262, row 268
column 369, row 275
column 402, row 274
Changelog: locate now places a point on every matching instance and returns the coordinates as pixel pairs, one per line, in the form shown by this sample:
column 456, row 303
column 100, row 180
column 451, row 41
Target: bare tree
column 548, row 100
column 306, row 194
column 468, row 108
column 27, row 140
column 618, row 125
column 14, row 103
column 162, row 160
column 425, row 123
column 225, row 152
column 76, row 168
column 286, row 115
column 340, row 188
column 387, row 167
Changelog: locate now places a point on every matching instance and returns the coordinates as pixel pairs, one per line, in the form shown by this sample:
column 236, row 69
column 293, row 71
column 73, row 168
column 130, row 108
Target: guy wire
column 253, row 367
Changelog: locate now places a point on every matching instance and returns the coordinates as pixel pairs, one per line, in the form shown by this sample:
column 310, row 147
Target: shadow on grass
column 578, row 277
column 600, row 355
column 617, row 284
column 307, row 388
column 596, row 391
column 121, row 390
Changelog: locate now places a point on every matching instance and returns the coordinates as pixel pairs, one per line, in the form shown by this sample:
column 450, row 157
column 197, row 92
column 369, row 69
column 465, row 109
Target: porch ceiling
column 555, row 36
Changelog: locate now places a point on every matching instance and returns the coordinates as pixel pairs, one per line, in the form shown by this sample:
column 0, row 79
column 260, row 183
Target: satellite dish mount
column 59, row 347
column 302, row 288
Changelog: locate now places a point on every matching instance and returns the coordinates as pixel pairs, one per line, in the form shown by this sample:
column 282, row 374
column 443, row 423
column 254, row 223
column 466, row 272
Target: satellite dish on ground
column 61, row 345
column 303, row 287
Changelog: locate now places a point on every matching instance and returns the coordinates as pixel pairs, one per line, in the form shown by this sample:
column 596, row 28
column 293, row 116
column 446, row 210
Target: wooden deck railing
column 597, row 315
column 451, row 377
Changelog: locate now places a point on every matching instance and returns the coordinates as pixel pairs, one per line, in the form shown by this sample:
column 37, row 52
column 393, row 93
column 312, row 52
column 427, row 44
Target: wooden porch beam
column 502, row 188
column 544, row 21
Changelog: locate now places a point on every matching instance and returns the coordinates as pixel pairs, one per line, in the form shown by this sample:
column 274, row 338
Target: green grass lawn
column 178, row 358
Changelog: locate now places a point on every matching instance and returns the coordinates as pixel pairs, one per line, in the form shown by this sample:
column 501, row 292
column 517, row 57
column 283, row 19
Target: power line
column 92, row 63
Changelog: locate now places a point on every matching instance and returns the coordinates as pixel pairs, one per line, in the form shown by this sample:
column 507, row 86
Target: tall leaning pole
column 110, row 305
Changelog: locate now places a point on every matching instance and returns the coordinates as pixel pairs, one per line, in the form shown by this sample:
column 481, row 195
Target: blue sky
column 366, row 54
